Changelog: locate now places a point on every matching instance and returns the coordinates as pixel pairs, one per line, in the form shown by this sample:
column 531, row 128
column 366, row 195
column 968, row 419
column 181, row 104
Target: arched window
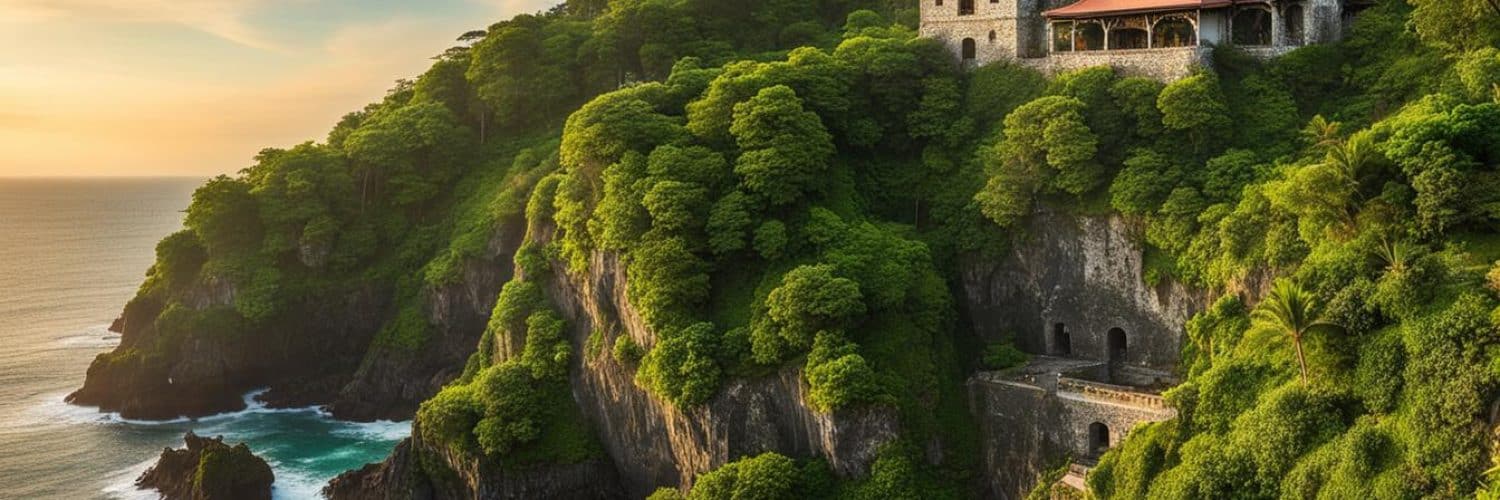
column 1098, row 438
column 1294, row 23
column 1252, row 27
column 965, row 7
column 1062, row 343
column 1173, row 32
column 1089, row 36
column 969, row 49
column 992, row 36
column 1115, row 341
column 1127, row 38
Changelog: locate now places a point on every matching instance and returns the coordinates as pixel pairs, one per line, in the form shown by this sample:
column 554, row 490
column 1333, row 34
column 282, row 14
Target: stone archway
column 1098, row 439
column 1115, row 344
column 969, row 49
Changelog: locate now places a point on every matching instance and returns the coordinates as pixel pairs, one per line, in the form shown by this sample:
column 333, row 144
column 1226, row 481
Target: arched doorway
column 1293, row 23
column 1098, row 438
column 965, row 7
column 1173, row 32
column 969, row 49
column 1128, row 38
column 1088, row 36
column 1115, row 342
column 1062, row 343
column 1252, row 26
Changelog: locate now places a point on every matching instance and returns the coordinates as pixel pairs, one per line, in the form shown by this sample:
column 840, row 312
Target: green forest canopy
column 789, row 183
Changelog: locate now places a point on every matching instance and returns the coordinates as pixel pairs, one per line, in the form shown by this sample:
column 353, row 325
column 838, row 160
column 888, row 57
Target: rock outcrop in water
column 208, row 469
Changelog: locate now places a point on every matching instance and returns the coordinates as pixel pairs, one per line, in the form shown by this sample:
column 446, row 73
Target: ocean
column 72, row 252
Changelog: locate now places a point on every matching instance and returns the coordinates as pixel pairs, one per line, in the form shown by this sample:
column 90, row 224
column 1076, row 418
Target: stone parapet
column 1165, row 64
column 1109, row 392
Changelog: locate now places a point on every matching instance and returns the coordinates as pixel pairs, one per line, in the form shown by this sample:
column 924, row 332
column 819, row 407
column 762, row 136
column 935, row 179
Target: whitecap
column 121, row 484
column 380, row 430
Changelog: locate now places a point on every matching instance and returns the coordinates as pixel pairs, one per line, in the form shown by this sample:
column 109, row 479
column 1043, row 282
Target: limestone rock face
column 208, row 469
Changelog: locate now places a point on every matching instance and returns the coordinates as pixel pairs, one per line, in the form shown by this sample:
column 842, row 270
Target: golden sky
column 197, row 87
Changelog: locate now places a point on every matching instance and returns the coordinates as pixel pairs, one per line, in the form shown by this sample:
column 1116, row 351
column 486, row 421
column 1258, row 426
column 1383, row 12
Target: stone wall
column 1027, row 429
column 1160, row 64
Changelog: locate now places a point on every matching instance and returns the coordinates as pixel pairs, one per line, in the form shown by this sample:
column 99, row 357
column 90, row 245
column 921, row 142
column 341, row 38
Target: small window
column 992, row 37
column 965, row 7
column 969, row 49
column 939, row 3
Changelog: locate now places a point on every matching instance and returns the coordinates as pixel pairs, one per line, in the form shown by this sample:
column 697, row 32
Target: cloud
column 225, row 19
column 73, row 101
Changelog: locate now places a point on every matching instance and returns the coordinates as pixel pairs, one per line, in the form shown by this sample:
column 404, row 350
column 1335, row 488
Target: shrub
column 626, row 351
column 1002, row 356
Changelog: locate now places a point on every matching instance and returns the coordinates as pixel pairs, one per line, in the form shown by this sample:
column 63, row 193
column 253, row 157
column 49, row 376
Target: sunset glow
column 156, row 87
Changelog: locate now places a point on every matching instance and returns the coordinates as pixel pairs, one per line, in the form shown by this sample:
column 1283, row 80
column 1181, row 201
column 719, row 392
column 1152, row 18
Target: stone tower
column 984, row 31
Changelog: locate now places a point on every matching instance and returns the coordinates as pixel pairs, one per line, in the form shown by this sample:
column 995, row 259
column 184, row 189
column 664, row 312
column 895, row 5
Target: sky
column 197, row 87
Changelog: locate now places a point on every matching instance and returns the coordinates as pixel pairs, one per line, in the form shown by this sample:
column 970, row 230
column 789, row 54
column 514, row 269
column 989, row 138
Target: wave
column 53, row 406
column 93, row 337
column 120, row 484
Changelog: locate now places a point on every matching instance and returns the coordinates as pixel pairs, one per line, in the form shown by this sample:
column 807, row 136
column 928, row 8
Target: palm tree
column 1293, row 311
column 1321, row 132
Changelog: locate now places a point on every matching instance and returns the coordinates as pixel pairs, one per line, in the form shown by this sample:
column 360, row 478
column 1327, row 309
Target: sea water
column 72, row 252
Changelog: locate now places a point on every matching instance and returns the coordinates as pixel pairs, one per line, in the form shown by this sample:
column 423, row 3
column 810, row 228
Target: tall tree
column 1293, row 311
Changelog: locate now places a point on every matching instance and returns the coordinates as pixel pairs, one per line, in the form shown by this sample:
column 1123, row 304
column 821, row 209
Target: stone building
column 1163, row 39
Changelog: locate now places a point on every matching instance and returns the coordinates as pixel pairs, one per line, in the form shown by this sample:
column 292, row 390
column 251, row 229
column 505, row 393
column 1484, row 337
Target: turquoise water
column 72, row 252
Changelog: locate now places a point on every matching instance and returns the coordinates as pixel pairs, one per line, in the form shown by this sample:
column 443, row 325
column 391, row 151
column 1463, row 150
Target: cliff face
column 655, row 444
column 320, row 352
column 208, row 372
column 391, row 382
column 649, row 442
column 1067, row 281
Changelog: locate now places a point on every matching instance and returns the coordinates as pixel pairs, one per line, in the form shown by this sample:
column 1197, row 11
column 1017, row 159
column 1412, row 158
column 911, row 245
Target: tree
column 224, row 215
column 1194, row 107
column 1294, row 312
column 809, row 299
column 785, row 147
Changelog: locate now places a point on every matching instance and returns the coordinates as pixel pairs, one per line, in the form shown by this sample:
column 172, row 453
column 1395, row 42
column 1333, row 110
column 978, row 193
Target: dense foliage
column 790, row 185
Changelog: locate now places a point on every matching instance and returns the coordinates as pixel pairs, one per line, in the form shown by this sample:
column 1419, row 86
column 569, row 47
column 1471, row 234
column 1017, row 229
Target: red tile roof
column 1097, row 8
